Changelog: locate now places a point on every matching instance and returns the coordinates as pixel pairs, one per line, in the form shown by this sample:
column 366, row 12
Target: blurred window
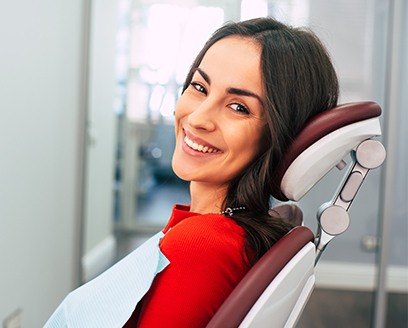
column 165, row 38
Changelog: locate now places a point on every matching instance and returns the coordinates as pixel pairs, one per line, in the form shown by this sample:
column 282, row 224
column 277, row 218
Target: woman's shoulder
column 206, row 233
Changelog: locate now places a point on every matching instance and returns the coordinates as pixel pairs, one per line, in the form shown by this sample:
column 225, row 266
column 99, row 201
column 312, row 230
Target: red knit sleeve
column 207, row 261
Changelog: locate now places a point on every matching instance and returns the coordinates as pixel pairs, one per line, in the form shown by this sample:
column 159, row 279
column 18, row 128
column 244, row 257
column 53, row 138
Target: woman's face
column 220, row 116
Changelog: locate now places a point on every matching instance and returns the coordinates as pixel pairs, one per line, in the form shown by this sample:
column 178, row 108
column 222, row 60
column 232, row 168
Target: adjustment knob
column 370, row 154
column 334, row 220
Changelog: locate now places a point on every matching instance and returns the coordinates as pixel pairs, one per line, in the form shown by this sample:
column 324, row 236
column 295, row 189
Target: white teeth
column 196, row 146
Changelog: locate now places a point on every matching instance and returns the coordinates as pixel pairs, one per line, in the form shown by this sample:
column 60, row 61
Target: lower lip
column 197, row 153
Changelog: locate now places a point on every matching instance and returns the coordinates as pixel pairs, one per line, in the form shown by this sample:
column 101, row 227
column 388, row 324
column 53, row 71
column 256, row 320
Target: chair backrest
column 282, row 302
column 251, row 287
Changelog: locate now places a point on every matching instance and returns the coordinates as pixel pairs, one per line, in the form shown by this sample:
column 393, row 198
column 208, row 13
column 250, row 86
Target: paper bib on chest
column 110, row 299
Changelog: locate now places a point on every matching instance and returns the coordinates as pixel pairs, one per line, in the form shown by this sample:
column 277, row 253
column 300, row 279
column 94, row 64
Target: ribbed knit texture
column 207, row 260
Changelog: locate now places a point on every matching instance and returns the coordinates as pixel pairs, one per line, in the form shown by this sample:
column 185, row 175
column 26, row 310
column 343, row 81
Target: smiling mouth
column 201, row 148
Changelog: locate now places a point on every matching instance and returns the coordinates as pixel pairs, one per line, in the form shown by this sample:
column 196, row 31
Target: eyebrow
column 204, row 75
column 235, row 91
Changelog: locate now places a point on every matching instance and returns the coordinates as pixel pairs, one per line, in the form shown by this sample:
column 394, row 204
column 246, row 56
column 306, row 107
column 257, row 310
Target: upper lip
column 198, row 140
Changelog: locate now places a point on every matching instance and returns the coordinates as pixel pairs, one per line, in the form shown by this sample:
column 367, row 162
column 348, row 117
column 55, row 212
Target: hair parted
column 299, row 81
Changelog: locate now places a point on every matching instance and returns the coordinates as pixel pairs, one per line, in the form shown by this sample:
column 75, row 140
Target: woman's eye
column 239, row 108
column 198, row 87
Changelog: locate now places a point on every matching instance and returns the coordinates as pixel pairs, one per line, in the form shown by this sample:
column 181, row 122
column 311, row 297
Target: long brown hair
column 299, row 81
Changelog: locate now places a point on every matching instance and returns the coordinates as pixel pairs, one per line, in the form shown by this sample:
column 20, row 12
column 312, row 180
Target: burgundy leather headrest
column 316, row 128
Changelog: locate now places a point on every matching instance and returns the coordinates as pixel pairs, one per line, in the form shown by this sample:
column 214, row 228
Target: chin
column 179, row 171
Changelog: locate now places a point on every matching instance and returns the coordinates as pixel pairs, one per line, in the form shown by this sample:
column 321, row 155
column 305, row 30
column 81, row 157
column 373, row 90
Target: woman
column 249, row 91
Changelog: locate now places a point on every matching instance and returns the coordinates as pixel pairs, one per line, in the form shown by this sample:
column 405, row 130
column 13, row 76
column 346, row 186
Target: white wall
column 99, row 243
column 40, row 142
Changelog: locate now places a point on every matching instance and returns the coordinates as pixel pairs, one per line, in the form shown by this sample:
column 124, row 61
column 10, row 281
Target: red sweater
column 207, row 260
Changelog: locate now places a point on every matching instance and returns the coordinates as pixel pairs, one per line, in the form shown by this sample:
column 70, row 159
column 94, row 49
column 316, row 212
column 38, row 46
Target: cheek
column 178, row 114
column 246, row 142
column 181, row 110
column 183, row 104
column 245, row 146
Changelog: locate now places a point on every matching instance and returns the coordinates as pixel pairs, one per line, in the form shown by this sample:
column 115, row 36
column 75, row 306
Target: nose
column 203, row 117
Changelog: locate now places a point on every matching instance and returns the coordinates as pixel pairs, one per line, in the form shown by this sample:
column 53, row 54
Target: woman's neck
column 206, row 197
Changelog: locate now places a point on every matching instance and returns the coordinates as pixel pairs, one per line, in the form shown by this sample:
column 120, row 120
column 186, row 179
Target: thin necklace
column 230, row 211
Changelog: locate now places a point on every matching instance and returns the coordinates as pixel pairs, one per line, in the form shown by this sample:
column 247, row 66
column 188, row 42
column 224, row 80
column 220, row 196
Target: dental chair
column 276, row 289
